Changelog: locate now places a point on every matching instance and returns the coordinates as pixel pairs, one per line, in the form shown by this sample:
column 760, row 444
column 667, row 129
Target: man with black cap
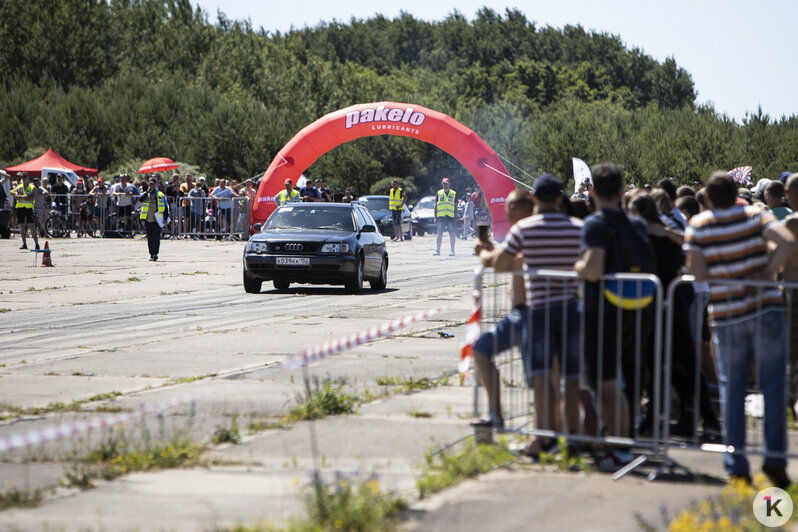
column 548, row 240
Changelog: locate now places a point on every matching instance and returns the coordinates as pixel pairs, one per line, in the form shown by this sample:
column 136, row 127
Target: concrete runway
column 105, row 320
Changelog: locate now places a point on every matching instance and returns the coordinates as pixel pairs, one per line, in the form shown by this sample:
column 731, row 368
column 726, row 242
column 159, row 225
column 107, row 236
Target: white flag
column 302, row 181
column 581, row 172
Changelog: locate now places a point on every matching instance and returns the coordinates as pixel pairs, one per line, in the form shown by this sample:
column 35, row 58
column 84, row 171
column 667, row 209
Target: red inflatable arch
column 388, row 118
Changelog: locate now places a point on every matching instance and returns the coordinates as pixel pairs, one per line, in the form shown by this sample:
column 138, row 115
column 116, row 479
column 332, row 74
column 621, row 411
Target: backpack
column 630, row 251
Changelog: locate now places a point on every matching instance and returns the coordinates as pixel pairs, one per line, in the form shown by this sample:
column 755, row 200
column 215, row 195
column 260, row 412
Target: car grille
column 289, row 247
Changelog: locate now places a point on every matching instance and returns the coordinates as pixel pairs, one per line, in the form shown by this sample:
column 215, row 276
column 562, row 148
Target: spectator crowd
column 729, row 329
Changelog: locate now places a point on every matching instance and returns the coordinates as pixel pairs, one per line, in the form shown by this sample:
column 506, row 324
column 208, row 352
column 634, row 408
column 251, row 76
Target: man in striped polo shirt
column 548, row 240
column 730, row 242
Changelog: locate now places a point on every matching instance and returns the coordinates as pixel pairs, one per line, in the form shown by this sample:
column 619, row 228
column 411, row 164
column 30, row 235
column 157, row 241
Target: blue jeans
column 762, row 339
column 549, row 336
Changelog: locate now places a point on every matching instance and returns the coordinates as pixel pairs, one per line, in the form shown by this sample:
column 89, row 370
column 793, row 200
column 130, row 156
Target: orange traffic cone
column 46, row 255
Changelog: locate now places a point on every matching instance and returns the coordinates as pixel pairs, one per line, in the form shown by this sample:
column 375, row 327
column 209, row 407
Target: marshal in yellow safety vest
column 396, row 199
column 445, row 203
column 145, row 206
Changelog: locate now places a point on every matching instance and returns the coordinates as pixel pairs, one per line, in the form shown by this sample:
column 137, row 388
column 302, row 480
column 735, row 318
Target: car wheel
column 382, row 281
column 409, row 235
column 281, row 284
column 251, row 286
column 355, row 284
column 419, row 232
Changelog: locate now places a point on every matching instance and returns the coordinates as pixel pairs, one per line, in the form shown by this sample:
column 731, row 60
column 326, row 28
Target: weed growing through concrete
column 227, row 434
column 407, row 384
column 419, row 413
column 11, row 497
column 347, row 503
column 134, row 279
column 324, row 398
column 564, row 460
column 74, row 406
column 117, row 454
column 4, row 310
column 443, row 470
column 263, row 424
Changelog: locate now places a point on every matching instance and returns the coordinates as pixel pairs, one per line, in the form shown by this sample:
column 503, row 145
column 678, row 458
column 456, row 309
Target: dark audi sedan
column 317, row 243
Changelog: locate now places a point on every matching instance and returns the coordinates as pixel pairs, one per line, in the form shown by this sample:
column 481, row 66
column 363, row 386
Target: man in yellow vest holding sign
column 154, row 213
column 396, row 206
column 23, row 195
column 444, row 214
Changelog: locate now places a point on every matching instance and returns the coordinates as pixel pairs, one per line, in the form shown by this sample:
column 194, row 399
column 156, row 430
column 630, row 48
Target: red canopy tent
column 50, row 159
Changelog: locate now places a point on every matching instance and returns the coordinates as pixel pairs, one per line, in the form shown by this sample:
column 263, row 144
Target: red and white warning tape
column 66, row 430
column 348, row 342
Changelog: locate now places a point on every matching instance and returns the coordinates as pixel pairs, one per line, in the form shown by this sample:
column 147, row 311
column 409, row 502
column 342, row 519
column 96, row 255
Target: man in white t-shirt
column 123, row 196
column 224, row 204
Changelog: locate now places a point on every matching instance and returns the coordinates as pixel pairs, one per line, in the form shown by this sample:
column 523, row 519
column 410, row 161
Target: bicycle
column 57, row 225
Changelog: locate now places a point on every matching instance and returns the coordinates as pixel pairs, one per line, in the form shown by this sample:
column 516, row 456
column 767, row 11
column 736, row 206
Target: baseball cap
column 288, row 182
column 784, row 176
column 202, row 178
column 445, row 181
column 547, row 187
column 99, row 179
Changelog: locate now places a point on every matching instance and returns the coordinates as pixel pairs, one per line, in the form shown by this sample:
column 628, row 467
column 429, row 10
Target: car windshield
column 330, row 218
column 375, row 204
column 426, row 203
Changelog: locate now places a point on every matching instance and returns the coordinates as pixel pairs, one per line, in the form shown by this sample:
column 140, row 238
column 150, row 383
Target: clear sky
column 740, row 54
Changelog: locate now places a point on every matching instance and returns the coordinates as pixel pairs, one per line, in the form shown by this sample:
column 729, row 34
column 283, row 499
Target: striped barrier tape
column 66, row 430
column 348, row 342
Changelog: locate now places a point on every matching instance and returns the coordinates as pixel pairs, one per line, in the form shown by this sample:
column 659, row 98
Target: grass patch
column 74, row 406
column 227, row 434
column 4, row 310
column 563, row 460
column 443, row 470
column 11, row 497
column 419, row 413
column 356, row 505
column 34, row 289
column 186, row 380
column 407, row 384
column 115, row 456
column 133, row 279
column 195, row 273
column 263, row 424
column 324, row 398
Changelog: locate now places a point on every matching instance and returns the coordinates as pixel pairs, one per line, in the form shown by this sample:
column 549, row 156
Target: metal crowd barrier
column 657, row 366
column 637, row 360
column 98, row 216
column 674, row 357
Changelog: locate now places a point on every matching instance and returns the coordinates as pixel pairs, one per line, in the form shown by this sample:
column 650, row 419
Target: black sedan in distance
column 378, row 207
column 317, row 243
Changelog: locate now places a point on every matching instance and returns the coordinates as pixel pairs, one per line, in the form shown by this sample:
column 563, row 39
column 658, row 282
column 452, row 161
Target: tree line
column 111, row 83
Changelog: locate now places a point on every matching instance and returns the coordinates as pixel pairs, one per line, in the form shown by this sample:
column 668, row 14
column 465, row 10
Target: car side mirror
column 368, row 228
column 257, row 228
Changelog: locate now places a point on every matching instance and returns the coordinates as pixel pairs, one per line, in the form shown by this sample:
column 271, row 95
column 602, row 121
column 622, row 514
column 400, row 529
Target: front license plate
column 292, row 261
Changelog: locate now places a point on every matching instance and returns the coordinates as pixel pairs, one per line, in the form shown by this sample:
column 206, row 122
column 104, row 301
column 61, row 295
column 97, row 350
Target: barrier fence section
column 100, row 215
column 604, row 384
column 695, row 362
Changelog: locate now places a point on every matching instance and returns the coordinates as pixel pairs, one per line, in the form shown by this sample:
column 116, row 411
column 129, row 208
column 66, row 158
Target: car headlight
column 337, row 247
column 386, row 221
column 258, row 247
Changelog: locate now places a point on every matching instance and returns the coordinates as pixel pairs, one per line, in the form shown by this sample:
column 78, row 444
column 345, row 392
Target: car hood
column 300, row 235
column 379, row 215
